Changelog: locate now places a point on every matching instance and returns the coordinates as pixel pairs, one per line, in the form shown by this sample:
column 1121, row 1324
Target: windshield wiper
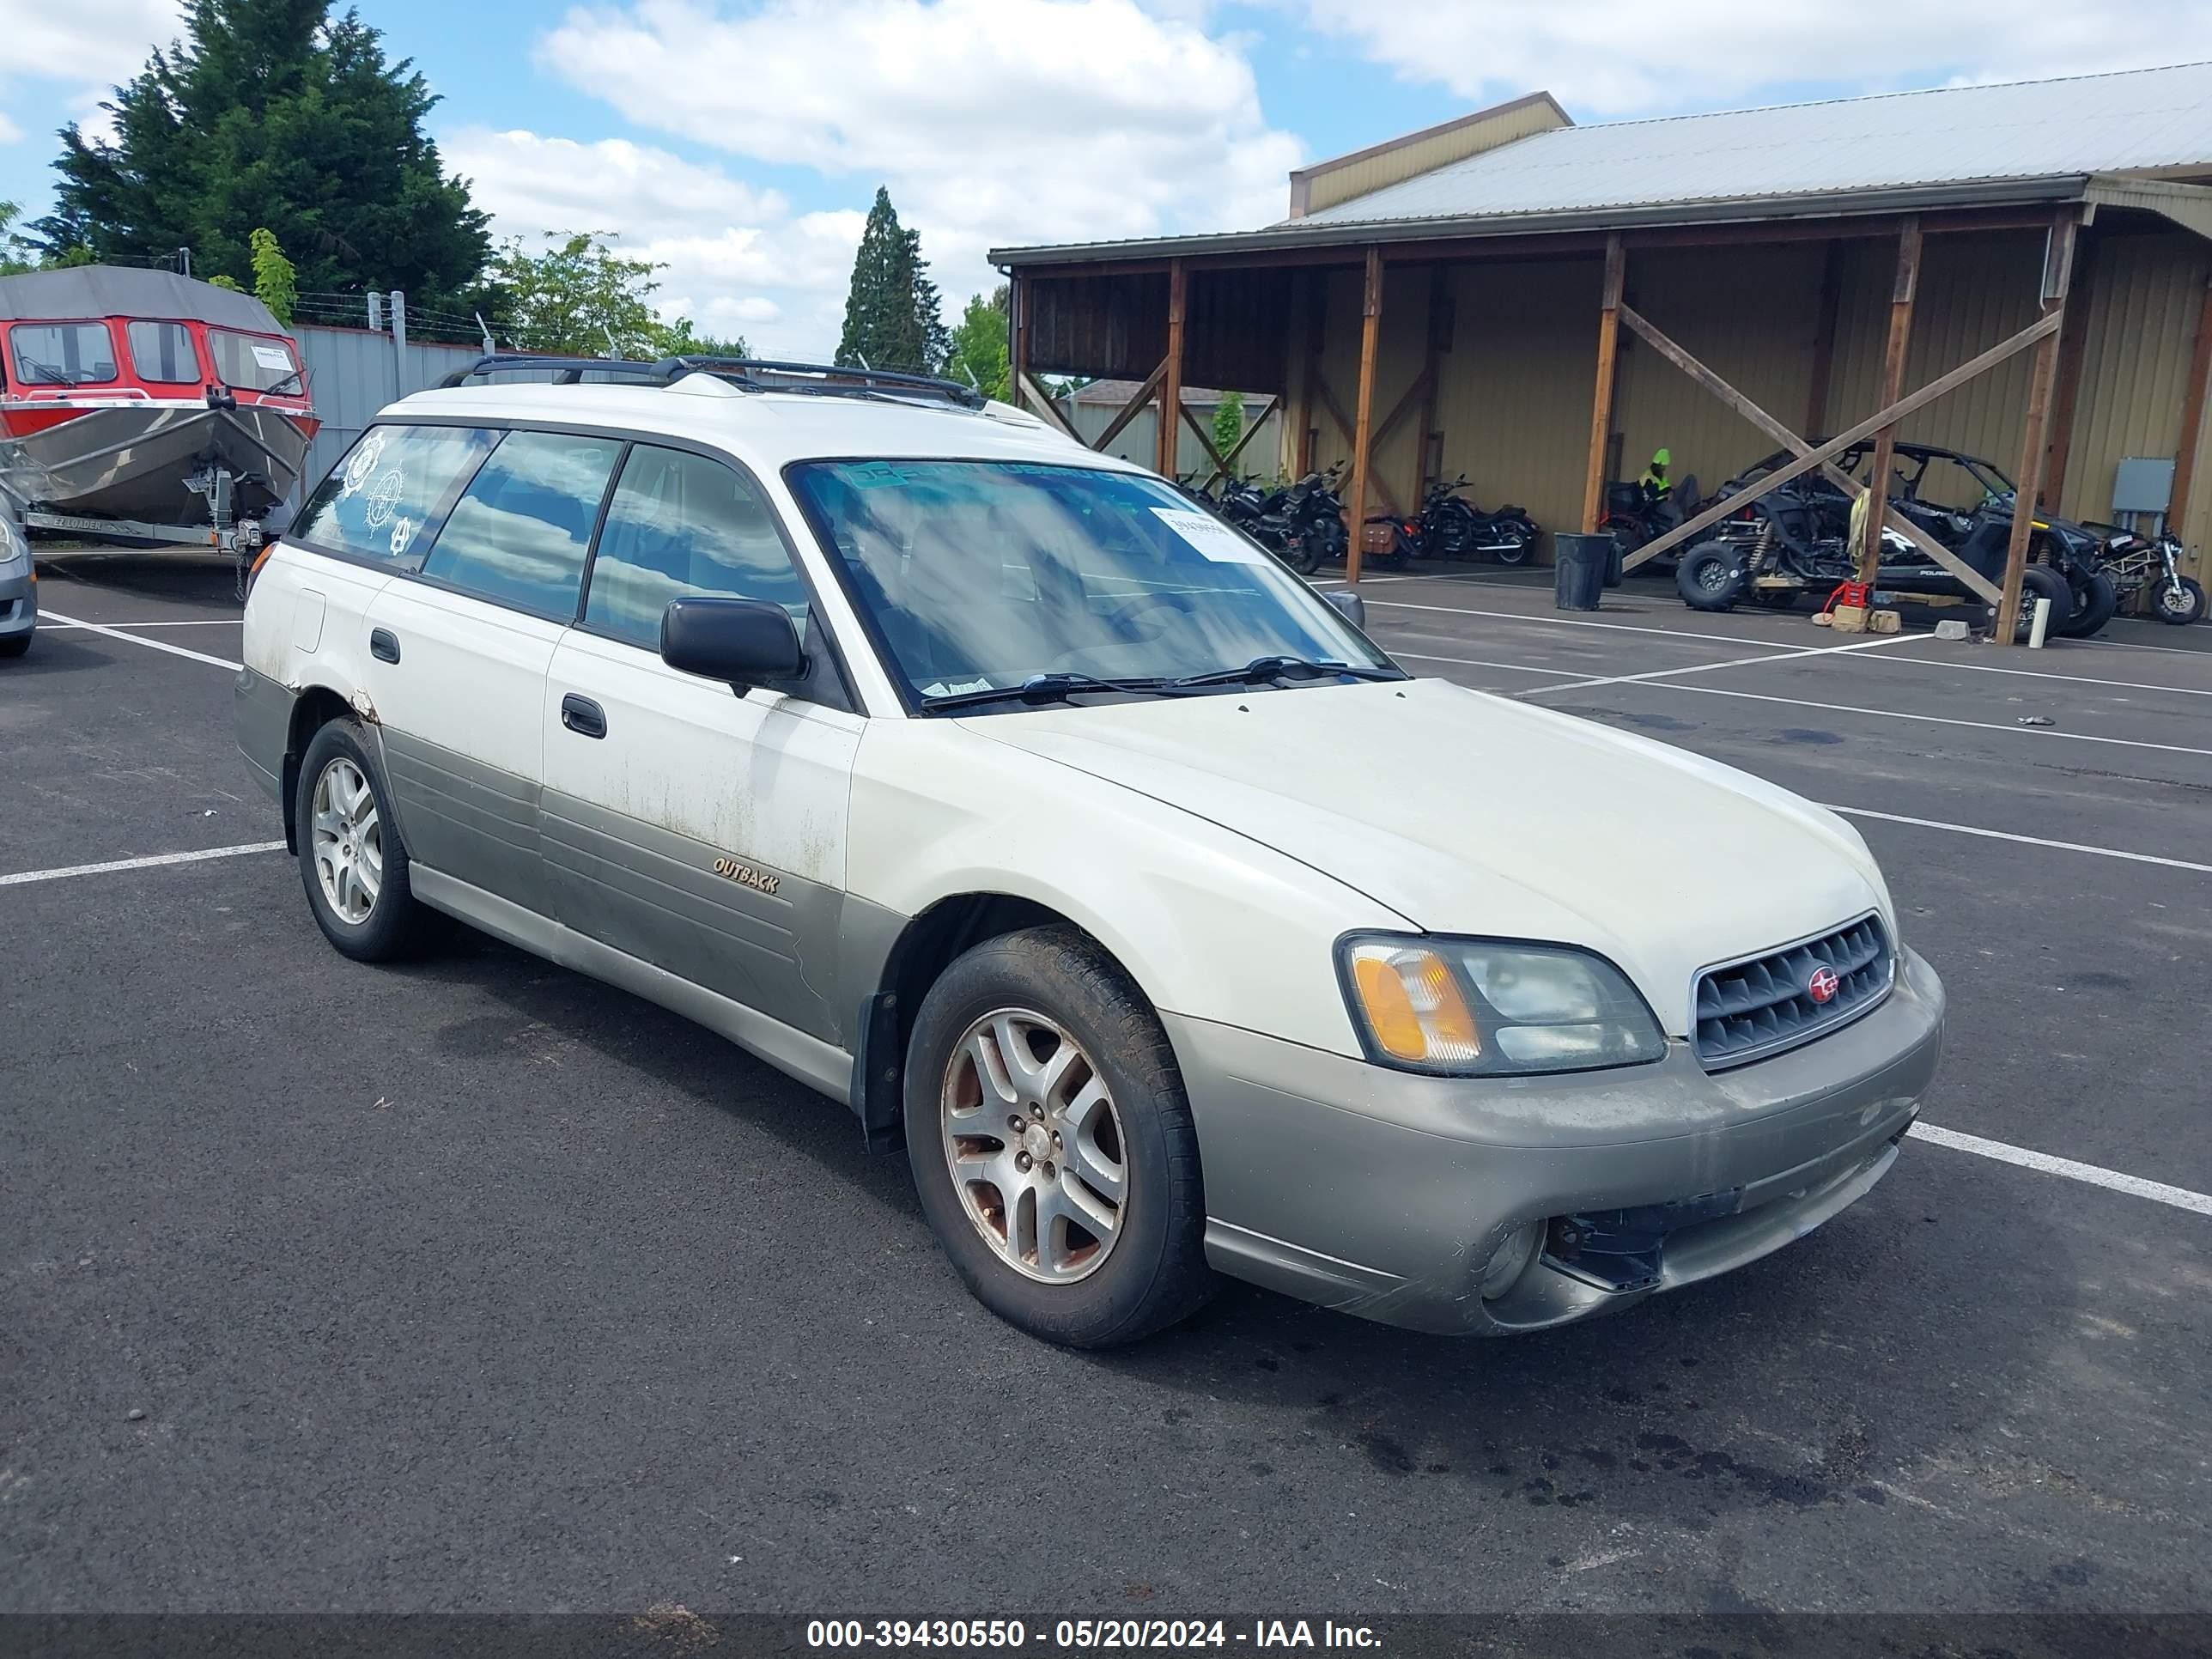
column 277, row 389
column 1260, row 670
column 1043, row 688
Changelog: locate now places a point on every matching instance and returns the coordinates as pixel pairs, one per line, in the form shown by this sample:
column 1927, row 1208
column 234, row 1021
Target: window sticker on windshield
column 1210, row 536
column 274, row 357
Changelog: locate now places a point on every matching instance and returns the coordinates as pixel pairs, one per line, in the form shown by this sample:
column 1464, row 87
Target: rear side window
column 253, row 362
column 163, row 351
column 386, row 499
column 519, row 533
column 61, row 354
column 681, row 523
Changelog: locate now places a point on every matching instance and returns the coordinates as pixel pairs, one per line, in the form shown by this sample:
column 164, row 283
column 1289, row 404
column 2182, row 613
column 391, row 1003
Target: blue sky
column 739, row 142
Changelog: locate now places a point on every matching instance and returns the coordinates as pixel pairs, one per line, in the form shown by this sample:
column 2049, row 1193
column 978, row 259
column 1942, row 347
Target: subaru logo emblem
column 1823, row 986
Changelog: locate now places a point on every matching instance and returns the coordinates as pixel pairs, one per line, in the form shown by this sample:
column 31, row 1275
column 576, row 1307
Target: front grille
column 1750, row 1010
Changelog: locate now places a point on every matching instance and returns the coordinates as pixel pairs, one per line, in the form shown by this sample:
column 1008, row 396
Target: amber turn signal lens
column 1414, row 1006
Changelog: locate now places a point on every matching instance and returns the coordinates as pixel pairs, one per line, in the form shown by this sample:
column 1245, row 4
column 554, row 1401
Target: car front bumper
column 1385, row 1194
column 19, row 605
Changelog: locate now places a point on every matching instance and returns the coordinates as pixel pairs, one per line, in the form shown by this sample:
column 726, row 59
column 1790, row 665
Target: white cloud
column 89, row 47
column 992, row 121
column 738, row 259
column 1613, row 58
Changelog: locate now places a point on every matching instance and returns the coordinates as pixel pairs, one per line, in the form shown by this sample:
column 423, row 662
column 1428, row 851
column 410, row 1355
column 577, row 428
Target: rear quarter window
column 387, row 499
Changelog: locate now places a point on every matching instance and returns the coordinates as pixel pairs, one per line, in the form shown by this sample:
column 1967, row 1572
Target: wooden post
column 1316, row 339
column 2057, row 272
column 1170, row 432
column 1440, row 325
column 1371, row 329
column 1017, row 328
column 1824, row 340
column 1892, row 388
column 2192, row 419
column 1609, row 343
column 2072, row 349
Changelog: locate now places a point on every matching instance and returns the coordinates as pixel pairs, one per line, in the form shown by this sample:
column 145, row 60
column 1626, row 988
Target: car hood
column 1466, row 813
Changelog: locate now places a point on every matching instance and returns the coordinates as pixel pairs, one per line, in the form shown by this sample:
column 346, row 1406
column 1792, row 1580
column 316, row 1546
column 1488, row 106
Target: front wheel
column 2094, row 602
column 1711, row 577
column 1052, row 1143
column 2040, row 581
column 2179, row 601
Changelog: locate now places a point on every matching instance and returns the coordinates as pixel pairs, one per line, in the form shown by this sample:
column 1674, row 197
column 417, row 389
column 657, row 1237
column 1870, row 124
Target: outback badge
column 746, row 876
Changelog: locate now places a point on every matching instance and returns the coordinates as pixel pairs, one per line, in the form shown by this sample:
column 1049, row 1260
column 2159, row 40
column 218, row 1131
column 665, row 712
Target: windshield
column 253, row 362
column 975, row 575
column 61, row 354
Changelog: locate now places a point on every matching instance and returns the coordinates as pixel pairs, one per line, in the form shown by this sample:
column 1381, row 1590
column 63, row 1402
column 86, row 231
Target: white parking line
column 1793, row 654
column 2025, row 841
column 2069, row 680
column 1932, row 719
column 25, row 877
column 151, row 645
column 2134, row 1186
column 1577, row 621
column 190, row 621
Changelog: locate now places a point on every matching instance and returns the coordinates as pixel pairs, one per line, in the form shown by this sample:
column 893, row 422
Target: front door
column 695, row 828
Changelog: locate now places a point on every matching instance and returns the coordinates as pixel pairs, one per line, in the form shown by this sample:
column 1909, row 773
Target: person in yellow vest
column 1656, row 485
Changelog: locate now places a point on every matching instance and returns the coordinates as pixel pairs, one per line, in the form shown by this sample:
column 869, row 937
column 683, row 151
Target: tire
column 1044, row 987
column 1298, row 553
column 15, row 648
column 1711, row 577
column 2037, row 582
column 2095, row 602
column 393, row 924
column 2180, row 609
column 1523, row 542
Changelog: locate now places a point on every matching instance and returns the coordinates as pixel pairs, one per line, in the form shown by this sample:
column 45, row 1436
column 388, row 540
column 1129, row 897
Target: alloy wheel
column 1034, row 1145
column 347, row 841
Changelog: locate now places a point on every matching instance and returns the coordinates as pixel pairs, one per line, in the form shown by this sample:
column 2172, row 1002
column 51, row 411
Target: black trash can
column 1578, row 570
column 1612, row 571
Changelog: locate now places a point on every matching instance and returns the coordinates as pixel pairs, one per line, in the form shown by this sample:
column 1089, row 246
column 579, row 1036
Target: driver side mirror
column 743, row 642
column 1354, row 607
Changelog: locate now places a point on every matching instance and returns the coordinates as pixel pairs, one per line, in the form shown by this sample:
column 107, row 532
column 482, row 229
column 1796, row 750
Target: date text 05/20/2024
column 1087, row 1634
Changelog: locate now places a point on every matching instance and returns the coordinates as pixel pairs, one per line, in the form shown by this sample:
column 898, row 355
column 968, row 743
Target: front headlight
column 1466, row 1007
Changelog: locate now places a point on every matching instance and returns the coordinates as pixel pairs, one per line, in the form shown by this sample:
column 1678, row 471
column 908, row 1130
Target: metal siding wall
column 1975, row 290
column 2144, row 299
column 1342, row 184
column 1514, row 388
column 1136, row 441
column 1747, row 313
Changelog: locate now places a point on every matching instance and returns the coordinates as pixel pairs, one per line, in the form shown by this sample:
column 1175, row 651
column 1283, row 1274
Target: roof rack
column 751, row 374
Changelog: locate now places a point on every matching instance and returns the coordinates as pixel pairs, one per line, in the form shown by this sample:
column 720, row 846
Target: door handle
column 583, row 716
column 383, row 645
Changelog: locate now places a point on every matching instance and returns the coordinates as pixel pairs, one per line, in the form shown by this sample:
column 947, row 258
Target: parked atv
column 1796, row 539
column 1634, row 516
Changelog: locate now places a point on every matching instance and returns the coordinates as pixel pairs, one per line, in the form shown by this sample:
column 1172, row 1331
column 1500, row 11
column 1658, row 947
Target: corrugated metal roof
column 2119, row 123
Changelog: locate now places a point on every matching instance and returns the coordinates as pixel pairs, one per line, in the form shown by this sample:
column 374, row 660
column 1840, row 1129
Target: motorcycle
column 1450, row 526
column 1301, row 524
column 2138, row 562
column 1634, row 516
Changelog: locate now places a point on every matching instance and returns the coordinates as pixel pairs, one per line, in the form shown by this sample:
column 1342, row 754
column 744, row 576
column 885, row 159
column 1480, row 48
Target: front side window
column 253, row 362
column 61, row 354
column 680, row 524
column 518, row 534
column 978, row 575
column 163, row 352
column 386, row 499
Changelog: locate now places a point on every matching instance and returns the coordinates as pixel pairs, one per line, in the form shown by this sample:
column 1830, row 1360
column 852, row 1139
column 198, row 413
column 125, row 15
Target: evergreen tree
column 893, row 312
column 272, row 113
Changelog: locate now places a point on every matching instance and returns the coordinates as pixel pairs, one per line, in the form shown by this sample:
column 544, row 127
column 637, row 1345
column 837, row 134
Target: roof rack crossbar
column 751, row 374
column 572, row 368
column 827, row 377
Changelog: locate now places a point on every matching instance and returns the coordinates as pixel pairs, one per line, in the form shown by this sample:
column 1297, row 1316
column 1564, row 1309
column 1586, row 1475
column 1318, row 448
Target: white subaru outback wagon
column 992, row 788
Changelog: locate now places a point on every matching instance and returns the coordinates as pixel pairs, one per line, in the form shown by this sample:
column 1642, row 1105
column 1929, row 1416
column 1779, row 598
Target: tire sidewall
column 1033, row 970
column 389, row 930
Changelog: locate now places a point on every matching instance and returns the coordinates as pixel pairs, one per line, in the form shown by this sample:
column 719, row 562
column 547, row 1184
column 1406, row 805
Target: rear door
column 459, row 653
column 695, row 828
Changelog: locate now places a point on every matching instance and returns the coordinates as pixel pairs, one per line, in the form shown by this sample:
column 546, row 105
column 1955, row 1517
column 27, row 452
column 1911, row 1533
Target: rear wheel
column 1052, row 1143
column 1711, row 577
column 352, row 862
column 1515, row 543
column 2041, row 582
column 2180, row 602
